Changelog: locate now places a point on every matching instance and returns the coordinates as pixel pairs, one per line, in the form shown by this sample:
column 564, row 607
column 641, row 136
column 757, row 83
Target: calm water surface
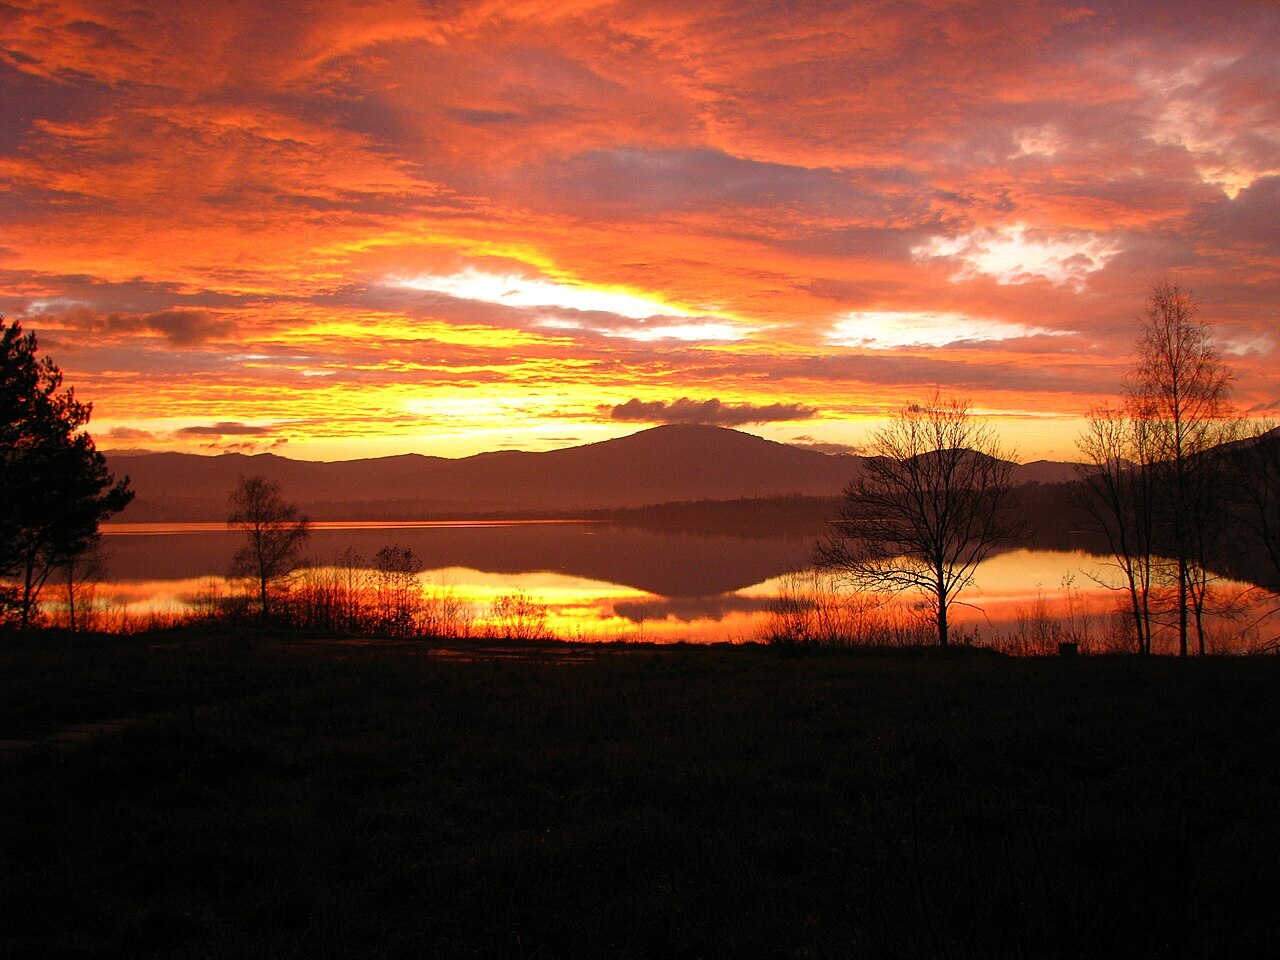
column 600, row 581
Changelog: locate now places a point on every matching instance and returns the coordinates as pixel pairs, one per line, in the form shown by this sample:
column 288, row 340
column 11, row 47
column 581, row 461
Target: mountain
column 660, row 465
column 666, row 463
column 1044, row 471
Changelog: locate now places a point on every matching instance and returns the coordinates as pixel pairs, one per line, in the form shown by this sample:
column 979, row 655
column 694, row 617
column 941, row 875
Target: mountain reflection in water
column 661, row 563
column 602, row 581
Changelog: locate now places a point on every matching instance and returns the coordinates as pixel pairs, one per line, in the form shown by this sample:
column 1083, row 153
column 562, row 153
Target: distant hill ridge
column 660, row 465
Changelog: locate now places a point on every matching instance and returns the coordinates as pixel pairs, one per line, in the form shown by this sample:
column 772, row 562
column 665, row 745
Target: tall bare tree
column 1179, row 390
column 79, row 575
column 1116, row 487
column 275, row 532
column 926, row 507
column 1154, row 471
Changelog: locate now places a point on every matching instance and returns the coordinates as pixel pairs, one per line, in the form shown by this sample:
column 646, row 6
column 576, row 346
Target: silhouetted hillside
column 659, row 465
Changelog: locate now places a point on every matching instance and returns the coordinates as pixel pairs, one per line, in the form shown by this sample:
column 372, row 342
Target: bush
column 812, row 609
column 518, row 616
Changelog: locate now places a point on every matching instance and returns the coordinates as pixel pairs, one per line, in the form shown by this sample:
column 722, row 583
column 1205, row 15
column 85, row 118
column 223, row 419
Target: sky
column 337, row 230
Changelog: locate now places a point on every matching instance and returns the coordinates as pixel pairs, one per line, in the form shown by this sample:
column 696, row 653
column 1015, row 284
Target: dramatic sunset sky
column 335, row 230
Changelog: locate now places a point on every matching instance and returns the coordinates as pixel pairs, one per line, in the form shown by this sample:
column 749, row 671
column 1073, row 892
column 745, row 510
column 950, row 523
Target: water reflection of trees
column 389, row 599
column 811, row 608
column 670, row 561
column 689, row 579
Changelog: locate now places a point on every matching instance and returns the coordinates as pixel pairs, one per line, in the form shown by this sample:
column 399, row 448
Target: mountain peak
column 685, row 430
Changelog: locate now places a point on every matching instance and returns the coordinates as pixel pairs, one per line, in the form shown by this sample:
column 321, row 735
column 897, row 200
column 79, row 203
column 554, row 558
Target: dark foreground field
column 274, row 799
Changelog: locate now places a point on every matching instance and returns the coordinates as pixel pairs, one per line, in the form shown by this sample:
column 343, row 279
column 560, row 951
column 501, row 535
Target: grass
column 277, row 799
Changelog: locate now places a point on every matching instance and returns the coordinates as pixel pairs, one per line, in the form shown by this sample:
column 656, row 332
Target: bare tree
column 352, row 581
column 80, row 574
column 1179, row 390
column 397, row 591
column 274, row 530
column 927, row 506
column 1116, row 488
column 518, row 616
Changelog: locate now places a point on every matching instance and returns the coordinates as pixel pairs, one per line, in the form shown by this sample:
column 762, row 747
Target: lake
column 602, row 581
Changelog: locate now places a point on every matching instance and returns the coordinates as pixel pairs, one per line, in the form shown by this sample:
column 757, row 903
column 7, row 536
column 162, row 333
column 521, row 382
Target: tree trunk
column 1145, row 636
column 1137, row 618
column 1198, row 599
column 1182, row 607
column 26, row 596
column 942, row 621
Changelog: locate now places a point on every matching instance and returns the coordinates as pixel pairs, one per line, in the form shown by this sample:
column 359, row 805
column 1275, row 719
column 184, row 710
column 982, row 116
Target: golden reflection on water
column 1009, row 592
column 577, row 608
column 596, row 610
column 1007, row 584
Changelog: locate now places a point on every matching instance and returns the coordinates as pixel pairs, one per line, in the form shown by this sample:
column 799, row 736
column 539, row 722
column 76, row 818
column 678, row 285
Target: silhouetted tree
column 1179, row 391
column 398, row 590
column 927, row 506
column 275, row 532
column 352, row 579
column 1155, row 472
column 1117, row 489
column 54, row 485
column 78, row 576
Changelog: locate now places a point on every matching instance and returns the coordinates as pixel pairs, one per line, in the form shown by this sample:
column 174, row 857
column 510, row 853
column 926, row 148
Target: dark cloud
column 659, row 180
column 824, row 446
column 227, row 428
column 182, row 328
column 914, row 373
column 1027, row 378
column 686, row 410
column 32, row 292
column 31, row 98
column 505, row 117
column 1253, row 217
column 857, row 240
column 128, row 433
column 248, row 447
